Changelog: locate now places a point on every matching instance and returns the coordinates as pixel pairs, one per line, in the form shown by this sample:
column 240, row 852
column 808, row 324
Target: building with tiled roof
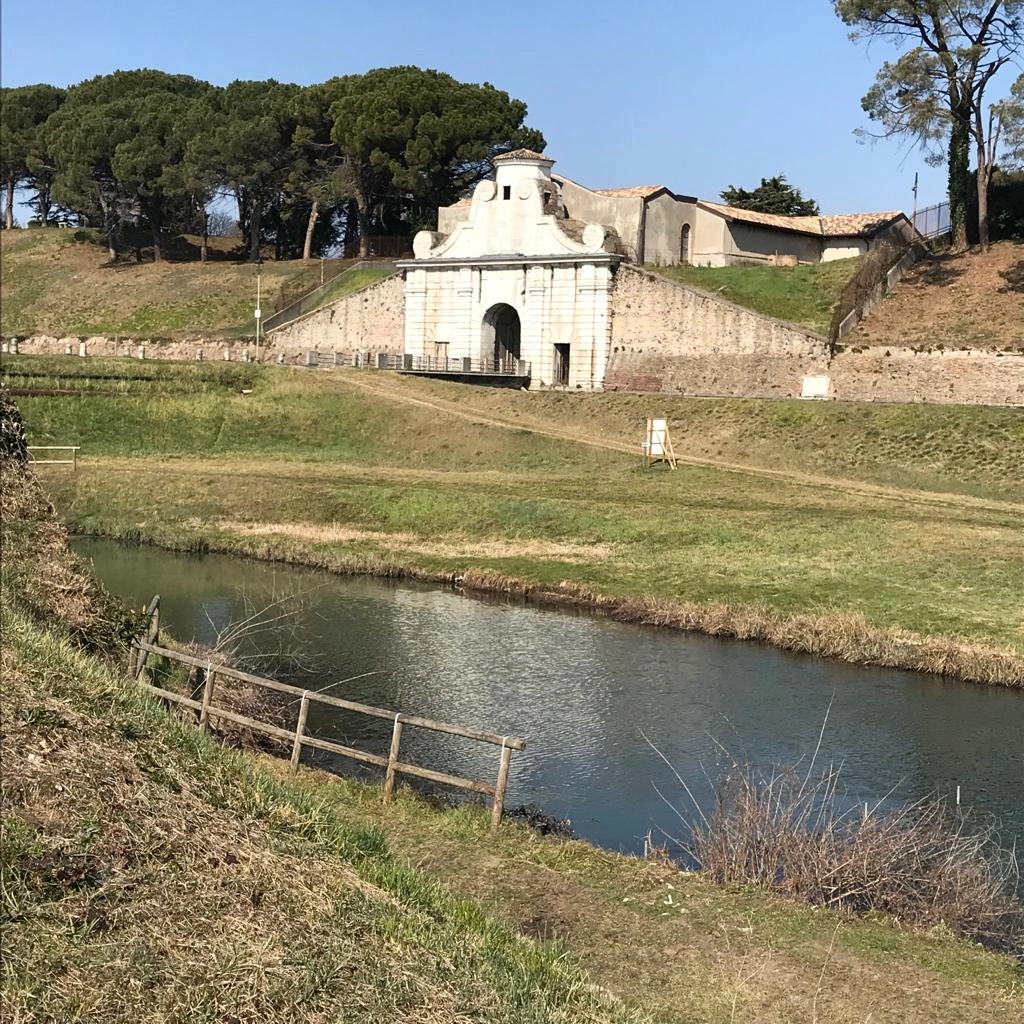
column 659, row 226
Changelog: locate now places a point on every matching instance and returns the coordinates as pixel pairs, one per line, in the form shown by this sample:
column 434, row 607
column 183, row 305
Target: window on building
column 506, row 192
column 684, row 245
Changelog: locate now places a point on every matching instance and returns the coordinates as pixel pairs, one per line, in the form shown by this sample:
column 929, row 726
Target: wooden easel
column 658, row 445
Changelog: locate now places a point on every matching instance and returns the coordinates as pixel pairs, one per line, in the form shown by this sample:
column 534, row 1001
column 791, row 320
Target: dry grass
column 450, row 546
column 56, row 281
column 922, row 864
column 963, row 300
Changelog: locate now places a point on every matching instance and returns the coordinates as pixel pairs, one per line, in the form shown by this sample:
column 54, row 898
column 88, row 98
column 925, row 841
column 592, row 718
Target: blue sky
column 696, row 96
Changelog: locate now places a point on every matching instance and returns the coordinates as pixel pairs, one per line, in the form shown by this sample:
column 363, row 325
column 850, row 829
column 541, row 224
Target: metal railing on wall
column 313, row 299
column 932, row 221
column 444, row 364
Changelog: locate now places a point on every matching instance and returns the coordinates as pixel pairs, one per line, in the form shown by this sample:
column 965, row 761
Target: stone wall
column 671, row 338
column 372, row 319
column 895, row 374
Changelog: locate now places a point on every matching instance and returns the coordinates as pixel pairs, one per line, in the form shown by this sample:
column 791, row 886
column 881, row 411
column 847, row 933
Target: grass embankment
column 151, row 874
column 952, row 301
column 803, row 295
column 851, row 531
column 56, row 281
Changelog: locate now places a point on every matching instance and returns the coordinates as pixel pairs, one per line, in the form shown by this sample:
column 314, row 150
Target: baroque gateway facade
column 516, row 282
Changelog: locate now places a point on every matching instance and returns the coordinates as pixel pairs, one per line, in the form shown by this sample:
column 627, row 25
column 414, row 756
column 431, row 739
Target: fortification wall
column 671, row 338
column 373, row 319
column 898, row 374
column 668, row 337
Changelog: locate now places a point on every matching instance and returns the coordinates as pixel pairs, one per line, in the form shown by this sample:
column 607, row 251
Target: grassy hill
column 965, row 300
column 57, row 281
column 803, row 295
column 826, row 527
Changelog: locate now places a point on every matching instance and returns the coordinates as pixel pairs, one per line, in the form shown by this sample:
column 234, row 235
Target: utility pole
column 913, row 219
column 259, row 311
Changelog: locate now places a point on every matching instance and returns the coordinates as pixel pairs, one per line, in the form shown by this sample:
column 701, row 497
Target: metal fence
column 443, row 364
column 933, row 221
column 315, row 298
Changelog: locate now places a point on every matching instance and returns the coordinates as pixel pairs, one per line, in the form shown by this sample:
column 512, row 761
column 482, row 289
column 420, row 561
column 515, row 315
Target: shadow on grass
column 1014, row 278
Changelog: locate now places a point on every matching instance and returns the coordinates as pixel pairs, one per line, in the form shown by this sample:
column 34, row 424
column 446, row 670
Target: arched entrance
column 501, row 334
column 684, row 245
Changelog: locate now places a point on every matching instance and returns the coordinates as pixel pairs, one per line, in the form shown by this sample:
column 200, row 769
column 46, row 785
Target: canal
column 592, row 697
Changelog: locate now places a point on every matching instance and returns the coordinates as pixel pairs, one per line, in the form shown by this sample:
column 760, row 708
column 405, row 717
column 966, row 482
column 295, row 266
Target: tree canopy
column 935, row 92
column 773, row 195
column 23, row 112
column 307, row 167
column 420, row 135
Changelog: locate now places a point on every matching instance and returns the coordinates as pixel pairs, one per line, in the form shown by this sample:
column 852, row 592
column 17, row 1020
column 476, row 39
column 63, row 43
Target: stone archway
column 502, row 334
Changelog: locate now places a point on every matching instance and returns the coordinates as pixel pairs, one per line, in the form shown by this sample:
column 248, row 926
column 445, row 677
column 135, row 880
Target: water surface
column 584, row 692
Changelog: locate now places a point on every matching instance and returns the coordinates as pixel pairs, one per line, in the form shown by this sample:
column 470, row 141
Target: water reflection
column 585, row 691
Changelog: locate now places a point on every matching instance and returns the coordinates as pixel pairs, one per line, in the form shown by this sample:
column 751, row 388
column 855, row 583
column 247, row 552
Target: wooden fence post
column 389, row 778
column 140, row 662
column 204, row 714
column 300, row 731
column 499, row 790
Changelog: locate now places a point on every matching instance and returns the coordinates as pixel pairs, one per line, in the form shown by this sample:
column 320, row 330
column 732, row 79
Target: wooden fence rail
column 72, row 462
column 299, row 738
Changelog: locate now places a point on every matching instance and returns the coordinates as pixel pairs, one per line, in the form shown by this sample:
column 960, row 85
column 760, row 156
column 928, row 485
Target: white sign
column 259, row 313
column 659, row 430
column 815, row 386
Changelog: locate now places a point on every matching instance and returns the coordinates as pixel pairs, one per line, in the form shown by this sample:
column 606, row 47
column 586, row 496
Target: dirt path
column 392, row 390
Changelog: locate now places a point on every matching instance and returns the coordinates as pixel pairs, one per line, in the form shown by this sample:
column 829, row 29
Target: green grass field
column 800, row 520
column 150, row 873
column 803, row 295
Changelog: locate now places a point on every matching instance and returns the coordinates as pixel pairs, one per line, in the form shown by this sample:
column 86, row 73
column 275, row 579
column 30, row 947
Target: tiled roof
column 823, row 227
column 633, row 192
column 802, row 225
column 857, row 223
column 523, row 154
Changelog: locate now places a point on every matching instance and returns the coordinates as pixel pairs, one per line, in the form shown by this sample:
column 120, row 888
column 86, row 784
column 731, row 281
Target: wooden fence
column 72, row 462
column 299, row 738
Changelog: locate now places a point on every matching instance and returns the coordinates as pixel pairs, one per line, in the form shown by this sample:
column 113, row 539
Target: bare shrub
column 923, row 863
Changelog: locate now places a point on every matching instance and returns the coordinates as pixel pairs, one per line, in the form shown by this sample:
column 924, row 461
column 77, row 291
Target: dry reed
column 923, row 863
